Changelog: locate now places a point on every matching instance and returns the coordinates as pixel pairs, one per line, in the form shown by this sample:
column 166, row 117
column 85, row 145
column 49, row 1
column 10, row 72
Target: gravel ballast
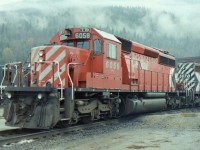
column 162, row 130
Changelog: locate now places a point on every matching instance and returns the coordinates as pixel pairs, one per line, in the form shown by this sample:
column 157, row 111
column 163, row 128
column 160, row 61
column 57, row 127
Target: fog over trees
column 27, row 27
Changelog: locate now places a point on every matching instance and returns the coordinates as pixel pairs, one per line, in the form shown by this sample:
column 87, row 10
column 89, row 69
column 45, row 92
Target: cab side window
column 97, row 47
column 111, row 51
column 83, row 44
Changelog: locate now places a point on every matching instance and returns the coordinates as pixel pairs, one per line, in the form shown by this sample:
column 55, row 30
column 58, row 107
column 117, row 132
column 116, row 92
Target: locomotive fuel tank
column 134, row 106
column 154, row 95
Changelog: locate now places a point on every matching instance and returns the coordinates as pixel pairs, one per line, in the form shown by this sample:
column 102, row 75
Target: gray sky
column 186, row 8
column 169, row 5
column 84, row 13
column 187, row 12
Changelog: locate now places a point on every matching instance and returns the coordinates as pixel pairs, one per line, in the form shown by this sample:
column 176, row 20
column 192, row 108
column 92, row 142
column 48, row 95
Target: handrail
column 15, row 74
column 74, row 63
column 61, row 85
column 4, row 74
column 70, row 76
column 4, row 68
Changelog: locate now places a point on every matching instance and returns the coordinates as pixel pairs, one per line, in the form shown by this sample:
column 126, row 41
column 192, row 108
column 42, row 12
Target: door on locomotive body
column 97, row 45
column 112, row 64
column 134, row 64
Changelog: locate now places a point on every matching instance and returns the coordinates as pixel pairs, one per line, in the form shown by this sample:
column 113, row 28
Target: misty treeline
column 23, row 29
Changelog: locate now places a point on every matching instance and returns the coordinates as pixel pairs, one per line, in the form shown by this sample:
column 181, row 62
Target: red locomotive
column 85, row 74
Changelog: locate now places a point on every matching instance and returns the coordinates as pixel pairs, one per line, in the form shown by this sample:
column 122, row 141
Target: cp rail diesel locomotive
column 86, row 74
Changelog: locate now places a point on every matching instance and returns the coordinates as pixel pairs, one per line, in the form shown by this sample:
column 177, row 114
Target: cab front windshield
column 84, row 44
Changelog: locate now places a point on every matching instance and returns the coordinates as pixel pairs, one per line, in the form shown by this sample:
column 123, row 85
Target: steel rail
column 52, row 132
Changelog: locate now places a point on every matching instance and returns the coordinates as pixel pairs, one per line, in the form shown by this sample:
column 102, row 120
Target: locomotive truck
column 85, row 74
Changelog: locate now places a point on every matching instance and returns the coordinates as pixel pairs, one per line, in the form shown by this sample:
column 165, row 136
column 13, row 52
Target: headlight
column 9, row 95
column 41, row 59
column 41, row 53
column 40, row 96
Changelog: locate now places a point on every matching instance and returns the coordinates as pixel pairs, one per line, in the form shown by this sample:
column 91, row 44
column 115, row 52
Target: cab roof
column 107, row 35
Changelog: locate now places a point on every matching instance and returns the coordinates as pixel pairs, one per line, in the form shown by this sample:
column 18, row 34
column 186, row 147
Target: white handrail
column 15, row 74
column 74, row 63
column 4, row 74
column 70, row 77
column 61, row 85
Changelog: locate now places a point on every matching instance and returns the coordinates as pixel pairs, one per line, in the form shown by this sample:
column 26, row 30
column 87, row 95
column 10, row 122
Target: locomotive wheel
column 122, row 107
column 75, row 116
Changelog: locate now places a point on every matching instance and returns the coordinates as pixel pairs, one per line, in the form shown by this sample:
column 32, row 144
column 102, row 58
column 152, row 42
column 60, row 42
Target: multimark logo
column 185, row 75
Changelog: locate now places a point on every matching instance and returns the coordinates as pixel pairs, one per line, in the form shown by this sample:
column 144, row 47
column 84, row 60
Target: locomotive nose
column 48, row 65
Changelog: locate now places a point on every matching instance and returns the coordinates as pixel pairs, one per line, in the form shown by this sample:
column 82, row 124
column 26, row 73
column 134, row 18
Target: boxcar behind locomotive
column 85, row 74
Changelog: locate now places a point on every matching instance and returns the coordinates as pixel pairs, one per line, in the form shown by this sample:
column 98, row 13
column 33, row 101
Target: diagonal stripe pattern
column 49, row 71
column 186, row 75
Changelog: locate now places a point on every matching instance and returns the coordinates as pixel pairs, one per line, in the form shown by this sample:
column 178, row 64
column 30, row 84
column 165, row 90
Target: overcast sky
column 172, row 5
column 187, row 11
column 184, row 8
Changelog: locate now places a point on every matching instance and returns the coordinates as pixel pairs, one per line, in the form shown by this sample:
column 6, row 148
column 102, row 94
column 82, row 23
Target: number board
column 82, row 35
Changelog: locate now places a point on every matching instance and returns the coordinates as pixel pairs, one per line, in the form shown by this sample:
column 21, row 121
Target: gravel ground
column 163, row 130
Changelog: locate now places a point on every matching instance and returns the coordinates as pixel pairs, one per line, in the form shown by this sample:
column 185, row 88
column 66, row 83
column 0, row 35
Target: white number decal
column 82, row 35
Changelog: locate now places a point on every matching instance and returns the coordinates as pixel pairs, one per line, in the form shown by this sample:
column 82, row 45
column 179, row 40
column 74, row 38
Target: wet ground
column 158, row 131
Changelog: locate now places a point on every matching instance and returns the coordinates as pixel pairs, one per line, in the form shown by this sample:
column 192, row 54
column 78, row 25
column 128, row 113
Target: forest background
column 28, row 24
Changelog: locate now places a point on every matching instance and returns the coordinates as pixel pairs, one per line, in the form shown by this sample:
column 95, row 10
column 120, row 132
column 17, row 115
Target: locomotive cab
column 105, row 55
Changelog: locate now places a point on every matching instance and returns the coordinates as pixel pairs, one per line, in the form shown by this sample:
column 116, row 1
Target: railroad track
column 16, row 135
column 8, row 137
